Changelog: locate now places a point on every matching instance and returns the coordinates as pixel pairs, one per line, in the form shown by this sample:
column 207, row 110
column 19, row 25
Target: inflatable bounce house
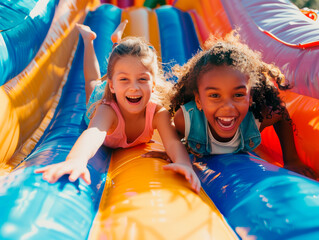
column 41, row 115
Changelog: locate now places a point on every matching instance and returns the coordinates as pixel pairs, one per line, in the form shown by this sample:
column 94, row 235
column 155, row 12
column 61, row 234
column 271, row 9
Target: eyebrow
column 236, row 88
column 240, row 87
column 127, row 73
column 122, row 73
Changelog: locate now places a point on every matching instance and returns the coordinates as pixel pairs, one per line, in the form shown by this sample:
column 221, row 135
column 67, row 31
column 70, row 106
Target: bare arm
column 179, row 122
column 84, row 148
column 180, row 129
column 175, row 149
column 92, row 138
column 284, row 131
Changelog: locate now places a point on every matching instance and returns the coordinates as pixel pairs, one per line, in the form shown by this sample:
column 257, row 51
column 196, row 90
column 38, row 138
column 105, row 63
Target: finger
column 75, row 174
column 49, row 173
column 86, row 177
column 188, row 176
column 198, row 186
column 61, row 171
column 150, row 154
column 172, row 167
column 41, row 170
column 155, row 154
column 198, row 189
column 54, row 173
column 178, row 169
column 194, row 182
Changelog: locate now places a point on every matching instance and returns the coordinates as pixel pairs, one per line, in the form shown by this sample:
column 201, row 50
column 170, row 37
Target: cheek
column 209, row 107
column 244, row 106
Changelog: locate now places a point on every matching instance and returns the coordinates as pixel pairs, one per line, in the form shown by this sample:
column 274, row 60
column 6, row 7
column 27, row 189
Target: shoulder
column 159, row 108
column 103, row 113
column 161, row 115
column 160, row 111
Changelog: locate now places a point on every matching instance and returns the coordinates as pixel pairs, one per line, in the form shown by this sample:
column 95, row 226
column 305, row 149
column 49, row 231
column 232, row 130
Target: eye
column 214, row 95
column 239, row 95
column 144, row 79
column 123, row 79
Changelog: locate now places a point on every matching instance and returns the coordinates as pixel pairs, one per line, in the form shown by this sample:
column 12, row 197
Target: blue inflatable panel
column 259, row 198
column 35, row 209
column 27, row 20
column 178, row 37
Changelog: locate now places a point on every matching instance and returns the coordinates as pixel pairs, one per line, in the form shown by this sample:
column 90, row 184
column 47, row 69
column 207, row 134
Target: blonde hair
column 138, row 47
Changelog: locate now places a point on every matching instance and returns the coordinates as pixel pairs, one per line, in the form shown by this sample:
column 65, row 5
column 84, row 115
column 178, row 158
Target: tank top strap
column 150, row 111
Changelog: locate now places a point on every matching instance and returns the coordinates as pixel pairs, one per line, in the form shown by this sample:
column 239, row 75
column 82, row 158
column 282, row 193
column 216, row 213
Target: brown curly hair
column 231, row 52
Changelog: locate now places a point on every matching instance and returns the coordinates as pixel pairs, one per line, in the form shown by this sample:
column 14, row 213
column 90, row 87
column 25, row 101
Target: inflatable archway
column 131, row 197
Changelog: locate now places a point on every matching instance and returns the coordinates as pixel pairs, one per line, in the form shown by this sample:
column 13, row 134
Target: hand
column 53, row 172
column 187, row 171
column 301, row 168
column 157, row 154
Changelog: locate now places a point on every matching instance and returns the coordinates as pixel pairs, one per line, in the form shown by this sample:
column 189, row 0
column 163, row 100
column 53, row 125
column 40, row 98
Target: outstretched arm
column 284, row 131
column 84, row 148
column 175, row 149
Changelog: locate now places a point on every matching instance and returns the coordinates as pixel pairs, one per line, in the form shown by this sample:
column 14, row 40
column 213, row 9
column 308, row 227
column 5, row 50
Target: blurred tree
column 312, row 4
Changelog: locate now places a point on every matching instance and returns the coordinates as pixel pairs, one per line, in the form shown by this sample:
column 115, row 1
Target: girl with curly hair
column 225, row 96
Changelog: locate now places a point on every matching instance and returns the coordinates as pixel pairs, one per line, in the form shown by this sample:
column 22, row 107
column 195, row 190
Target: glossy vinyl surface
column 18, row 20
column 259, row 199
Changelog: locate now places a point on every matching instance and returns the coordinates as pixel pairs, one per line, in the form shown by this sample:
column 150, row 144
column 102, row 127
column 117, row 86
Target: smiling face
column 132, row 83
column 224, row 96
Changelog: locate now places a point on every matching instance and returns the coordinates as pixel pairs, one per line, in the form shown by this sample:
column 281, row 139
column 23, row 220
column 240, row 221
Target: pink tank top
column 118, row 139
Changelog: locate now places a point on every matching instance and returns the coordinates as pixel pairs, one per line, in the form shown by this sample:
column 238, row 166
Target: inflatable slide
column 43, row 102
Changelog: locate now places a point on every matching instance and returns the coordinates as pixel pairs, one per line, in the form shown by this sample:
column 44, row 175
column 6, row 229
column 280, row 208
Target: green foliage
column 312, row 4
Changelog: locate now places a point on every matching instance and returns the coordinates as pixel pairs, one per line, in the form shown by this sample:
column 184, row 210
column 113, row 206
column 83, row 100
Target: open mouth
column 134, row 99
column 226, row 123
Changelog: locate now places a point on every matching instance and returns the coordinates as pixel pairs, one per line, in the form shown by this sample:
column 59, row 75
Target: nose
column 228, row 105
column 134, row 85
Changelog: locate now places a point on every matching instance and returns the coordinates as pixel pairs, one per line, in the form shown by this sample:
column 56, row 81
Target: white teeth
column 134, row 97
column 226, row 119
column 226, row 122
